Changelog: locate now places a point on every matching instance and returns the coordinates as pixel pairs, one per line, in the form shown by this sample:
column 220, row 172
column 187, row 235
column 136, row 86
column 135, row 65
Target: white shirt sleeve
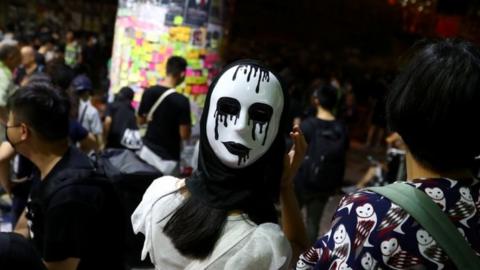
column 95, row 122
column 6, row 86
column 142, row 216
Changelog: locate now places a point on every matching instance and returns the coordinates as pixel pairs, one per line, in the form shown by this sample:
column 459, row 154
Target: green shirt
column 72, row 52
column 6, row 84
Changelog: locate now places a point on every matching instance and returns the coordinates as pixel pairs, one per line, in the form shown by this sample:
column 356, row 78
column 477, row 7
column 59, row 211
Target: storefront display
column 148, row 33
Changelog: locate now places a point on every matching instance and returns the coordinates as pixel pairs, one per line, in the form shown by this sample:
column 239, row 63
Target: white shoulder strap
column 157, row 103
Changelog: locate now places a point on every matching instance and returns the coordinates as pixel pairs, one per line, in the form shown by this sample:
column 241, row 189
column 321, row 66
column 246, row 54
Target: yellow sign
column 180, row 33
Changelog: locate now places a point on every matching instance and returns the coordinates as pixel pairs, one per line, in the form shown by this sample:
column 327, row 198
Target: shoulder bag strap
column 432, row 219
column 82, row 116
column 157, row 103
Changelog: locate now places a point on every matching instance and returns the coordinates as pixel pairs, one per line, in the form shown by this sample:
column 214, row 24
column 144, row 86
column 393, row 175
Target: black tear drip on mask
column 260, row 124
column 264, row 74
column 261, row 115
column 243, row 158
column 223, row 117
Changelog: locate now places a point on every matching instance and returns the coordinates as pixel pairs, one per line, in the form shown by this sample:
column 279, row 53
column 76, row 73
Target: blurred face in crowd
column 92, row 41
column 69, row 36
column 14, row 59
column 28, row 56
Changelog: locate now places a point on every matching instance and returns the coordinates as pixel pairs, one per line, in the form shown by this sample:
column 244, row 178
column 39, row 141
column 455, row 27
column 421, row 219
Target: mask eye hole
column 228, row 105
column 260, row 112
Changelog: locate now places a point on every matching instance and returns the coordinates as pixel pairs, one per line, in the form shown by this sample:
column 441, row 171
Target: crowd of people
column 264, row 154
column 57, row 90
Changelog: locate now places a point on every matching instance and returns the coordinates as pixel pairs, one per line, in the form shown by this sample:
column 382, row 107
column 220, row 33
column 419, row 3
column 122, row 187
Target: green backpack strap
column 433, row 219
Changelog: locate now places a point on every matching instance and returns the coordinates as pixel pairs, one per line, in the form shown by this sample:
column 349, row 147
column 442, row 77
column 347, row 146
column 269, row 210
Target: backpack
column 324, row 164
column 123, row 178
column 75, row 185
column 124, row 130
column 72, row 180
column 131, row 177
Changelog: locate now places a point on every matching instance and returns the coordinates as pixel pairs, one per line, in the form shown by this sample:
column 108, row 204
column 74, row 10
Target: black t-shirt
column 163, row 136
column 309, row 125
column 22, row 73
column 25, row 168
column 17, row 253
column 77, row 218
column 328, row 144
column 123, row 117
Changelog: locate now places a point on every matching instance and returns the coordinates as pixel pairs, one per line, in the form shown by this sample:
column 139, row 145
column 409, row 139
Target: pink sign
column 211, row 59
column 157, row 57
column 193, row 73
column 199, row 89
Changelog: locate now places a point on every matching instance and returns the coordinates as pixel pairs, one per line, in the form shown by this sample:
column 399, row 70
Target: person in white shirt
column 10, row 58
column 88, row 115
column 223, row 216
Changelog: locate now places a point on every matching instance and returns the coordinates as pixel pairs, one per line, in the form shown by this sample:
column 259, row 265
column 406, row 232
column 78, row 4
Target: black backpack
column 131, row 177
column 324, row 164
column 74, row 185
column 123, row 178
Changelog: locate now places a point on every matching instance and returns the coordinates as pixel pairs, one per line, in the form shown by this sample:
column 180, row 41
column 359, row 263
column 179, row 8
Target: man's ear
column 25, row 131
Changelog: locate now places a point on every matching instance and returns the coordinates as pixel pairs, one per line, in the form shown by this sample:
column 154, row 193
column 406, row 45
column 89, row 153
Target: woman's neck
column 324, row 114
column 235, row 212
column 415, row 170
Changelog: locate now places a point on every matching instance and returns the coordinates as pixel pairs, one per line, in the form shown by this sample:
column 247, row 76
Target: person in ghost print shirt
column 438, row 87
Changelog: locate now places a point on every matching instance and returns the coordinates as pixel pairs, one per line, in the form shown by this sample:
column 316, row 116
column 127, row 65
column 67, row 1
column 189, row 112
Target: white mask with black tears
column 244, row 116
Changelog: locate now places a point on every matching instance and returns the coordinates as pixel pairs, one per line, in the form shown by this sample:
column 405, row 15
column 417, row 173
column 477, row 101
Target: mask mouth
column 236, row 148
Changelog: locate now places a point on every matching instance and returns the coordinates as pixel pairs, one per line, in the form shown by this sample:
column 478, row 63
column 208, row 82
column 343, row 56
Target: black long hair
column 216, row 189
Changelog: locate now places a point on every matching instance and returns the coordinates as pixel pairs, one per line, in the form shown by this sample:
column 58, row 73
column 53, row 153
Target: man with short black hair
column 170, row 122
column 74, row 215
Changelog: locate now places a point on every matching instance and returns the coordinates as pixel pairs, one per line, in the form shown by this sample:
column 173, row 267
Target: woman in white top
column 223, row 216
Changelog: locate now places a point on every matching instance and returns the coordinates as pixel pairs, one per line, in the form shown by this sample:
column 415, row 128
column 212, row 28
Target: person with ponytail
column 224, row 216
